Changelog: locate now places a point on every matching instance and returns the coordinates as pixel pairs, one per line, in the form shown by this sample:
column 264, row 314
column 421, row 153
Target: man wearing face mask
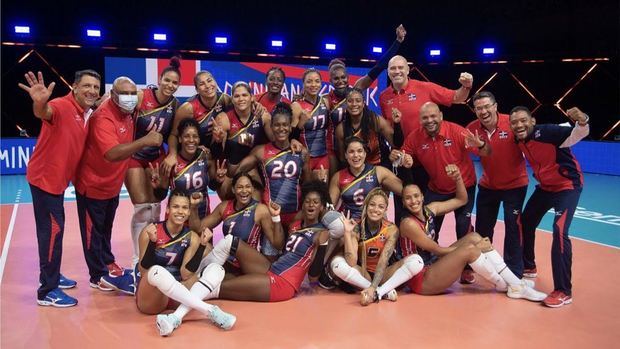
column 101, row 173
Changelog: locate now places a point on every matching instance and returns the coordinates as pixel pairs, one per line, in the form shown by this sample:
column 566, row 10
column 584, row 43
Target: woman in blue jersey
column 156, row 112
column 303, row 254
column 445, row 264
column 170, row 255
column 350, row 186
column 204, row 106
column 246, row 219
column 283, row 169
column 195, row 170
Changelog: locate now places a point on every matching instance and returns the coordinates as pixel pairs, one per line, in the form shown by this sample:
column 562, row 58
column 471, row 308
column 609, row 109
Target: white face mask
column 127, row 102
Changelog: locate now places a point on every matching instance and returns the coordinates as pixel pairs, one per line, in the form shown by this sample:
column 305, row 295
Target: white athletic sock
column 500, row 267
column 483, row 267
column 207, row 287
column 412, row 265
column 347, row 273
column 161, row 278
column 142, row 214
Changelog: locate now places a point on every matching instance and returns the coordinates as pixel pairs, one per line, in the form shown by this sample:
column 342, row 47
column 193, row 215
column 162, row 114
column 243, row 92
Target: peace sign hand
column 220, row 170
column 36, row 88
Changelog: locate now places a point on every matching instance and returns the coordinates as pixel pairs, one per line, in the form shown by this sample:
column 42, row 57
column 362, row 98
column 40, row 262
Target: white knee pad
column 414, row 264
column 212, row 276
column 161, row 278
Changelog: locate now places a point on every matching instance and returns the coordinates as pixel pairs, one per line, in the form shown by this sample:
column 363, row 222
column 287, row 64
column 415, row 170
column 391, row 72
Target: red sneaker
column 115, row 270
column 530, row 273
column 557, row 299
column 468, row 277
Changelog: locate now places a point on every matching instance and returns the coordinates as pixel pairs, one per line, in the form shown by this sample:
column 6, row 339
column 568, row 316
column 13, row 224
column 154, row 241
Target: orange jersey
column 373, row 246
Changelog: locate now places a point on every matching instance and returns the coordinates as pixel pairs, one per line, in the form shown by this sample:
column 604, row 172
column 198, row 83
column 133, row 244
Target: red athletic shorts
column 281, row 290
column 315, row 163
column 415, row 283
column 139, row 163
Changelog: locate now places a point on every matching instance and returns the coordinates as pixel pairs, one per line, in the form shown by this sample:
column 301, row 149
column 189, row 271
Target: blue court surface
column 597, row 218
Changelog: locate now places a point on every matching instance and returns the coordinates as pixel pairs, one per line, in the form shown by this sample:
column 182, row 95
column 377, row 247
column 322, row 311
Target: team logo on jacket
column 447, row 142
column 503, row 134
column 411, row 96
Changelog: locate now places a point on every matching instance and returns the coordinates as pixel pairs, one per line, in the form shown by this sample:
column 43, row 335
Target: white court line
column 570, row 236
column 7, row 241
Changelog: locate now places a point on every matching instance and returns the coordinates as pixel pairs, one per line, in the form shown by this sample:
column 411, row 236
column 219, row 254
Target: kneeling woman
column 367, row 251
column 304, row 253
column 170, row 254
column 445, row 264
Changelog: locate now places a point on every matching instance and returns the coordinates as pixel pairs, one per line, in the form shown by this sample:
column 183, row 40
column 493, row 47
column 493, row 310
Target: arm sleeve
column 383, row 61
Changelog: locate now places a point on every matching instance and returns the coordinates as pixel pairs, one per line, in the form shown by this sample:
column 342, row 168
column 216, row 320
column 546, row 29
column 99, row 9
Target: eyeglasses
column 485, row 107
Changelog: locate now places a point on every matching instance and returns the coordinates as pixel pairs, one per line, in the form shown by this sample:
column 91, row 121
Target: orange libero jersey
column 373, row 246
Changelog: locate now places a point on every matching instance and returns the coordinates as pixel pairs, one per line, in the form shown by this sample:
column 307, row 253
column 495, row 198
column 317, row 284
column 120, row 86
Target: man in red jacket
column 53, row 164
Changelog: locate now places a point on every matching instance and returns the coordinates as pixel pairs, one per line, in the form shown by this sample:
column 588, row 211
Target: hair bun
column 175, row 62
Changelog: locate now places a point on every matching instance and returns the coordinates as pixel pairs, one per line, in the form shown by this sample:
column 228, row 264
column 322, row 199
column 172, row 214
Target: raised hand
column 577, row 115
column 472, row 140
column 36, row 88
column 466, row 79
column 151, row 231
column 206, row 236
column 220, row 170
column 195, row 199
column 453, row 172
column 274, row 209
column 401, row 32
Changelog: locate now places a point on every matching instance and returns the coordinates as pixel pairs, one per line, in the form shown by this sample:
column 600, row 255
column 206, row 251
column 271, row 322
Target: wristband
column 276, row 219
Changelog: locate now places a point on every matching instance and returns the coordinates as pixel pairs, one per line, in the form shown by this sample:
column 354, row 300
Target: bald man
column 403, row 99
column 100, row 176
column 435, row 145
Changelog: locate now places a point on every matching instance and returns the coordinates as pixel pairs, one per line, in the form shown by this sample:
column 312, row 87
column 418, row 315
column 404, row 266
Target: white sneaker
column 526, row 292
column 392, row 295
column 221, row 318
column 166, row 323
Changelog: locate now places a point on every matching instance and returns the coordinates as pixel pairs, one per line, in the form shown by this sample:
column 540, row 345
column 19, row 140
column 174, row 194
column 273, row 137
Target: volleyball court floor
column 467, row 316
